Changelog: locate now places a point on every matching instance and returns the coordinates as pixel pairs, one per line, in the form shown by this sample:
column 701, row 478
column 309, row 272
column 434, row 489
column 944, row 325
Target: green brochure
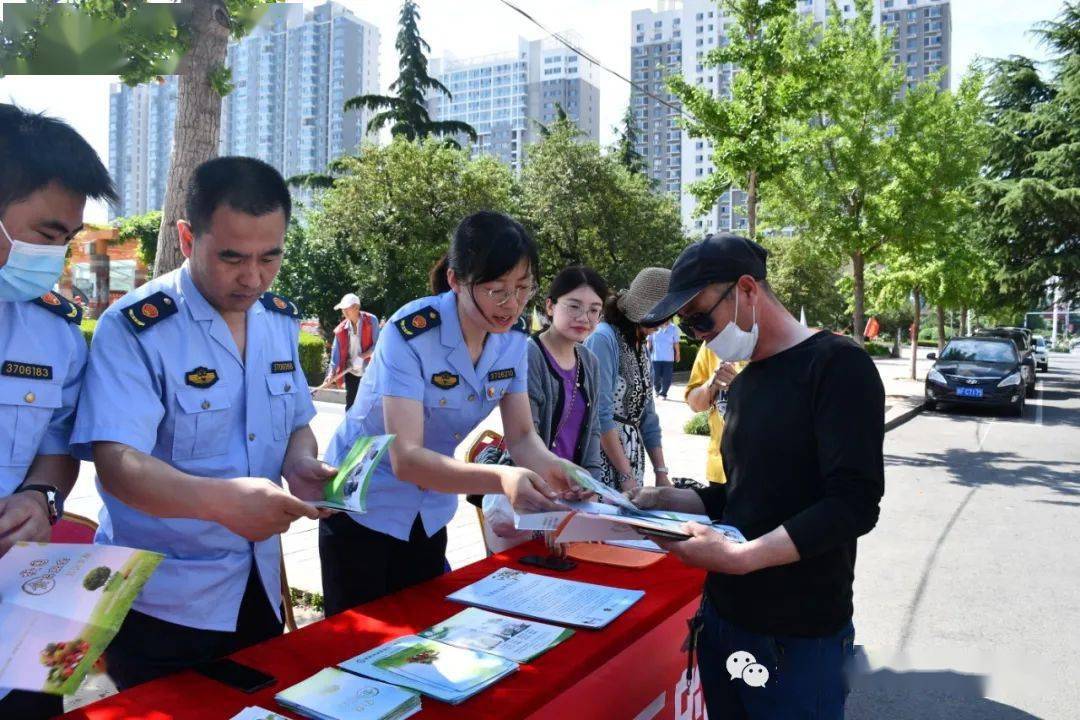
column 348, row 489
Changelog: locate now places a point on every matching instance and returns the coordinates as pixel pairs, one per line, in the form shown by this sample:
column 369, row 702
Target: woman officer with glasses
column 441, row 366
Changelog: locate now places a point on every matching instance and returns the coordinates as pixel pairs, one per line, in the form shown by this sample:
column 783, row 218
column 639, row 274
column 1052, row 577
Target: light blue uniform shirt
column 421, row 355
column 663, row 343
column 166, row 378
column 42, row 359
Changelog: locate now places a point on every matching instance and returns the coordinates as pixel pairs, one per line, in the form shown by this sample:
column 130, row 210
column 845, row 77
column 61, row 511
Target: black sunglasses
column 702, row 322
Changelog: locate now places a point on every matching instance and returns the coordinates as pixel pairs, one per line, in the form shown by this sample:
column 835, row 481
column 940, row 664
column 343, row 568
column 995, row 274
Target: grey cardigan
column 546, row 398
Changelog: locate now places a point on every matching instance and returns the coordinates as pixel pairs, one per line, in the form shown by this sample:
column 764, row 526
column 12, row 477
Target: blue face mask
column 30, row 270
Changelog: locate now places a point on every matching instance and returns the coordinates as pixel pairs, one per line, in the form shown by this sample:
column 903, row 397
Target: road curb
column 903, row 411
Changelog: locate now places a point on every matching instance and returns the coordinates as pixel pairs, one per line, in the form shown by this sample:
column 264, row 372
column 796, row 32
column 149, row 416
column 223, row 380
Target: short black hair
column 244, row 184
column 36, row 150
column 486, row 245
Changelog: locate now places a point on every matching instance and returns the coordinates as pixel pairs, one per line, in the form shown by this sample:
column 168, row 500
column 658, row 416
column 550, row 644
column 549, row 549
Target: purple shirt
column 564, row 444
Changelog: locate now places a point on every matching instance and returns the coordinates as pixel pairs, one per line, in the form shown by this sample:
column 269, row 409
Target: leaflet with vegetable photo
column 60, row 606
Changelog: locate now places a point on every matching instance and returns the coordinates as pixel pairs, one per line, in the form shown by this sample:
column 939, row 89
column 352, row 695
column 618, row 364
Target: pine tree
column 405, row 111
column 626, row 145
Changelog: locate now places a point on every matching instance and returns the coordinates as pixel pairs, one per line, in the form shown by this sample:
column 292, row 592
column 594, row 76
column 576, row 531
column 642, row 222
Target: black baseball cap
column 724, row 257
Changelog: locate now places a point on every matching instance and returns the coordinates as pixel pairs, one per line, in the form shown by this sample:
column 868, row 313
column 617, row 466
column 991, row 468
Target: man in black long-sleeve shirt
column 802, row 449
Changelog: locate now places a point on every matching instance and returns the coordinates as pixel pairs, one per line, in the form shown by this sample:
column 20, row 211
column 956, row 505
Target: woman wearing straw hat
column 629, row 426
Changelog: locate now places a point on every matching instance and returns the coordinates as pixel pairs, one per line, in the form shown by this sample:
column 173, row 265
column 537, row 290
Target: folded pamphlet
column 511, row 638
column 444, row 672
column 60, row 606
column 565, row 602
column 332, row 694
column 348, row 489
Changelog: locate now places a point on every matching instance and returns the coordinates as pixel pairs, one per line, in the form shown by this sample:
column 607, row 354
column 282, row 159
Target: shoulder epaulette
column 277, row 303
column 419, row 322
column 60, row 305
column 149, row 311
column 522, row 325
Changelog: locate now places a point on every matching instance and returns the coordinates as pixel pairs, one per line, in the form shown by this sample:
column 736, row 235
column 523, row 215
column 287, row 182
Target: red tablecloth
column 669, row 587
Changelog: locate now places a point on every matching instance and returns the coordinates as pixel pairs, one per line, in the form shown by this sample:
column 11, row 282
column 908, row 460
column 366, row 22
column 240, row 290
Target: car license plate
column 969, row 392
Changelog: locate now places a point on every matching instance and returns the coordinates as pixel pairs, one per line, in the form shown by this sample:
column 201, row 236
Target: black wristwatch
column 53, row 501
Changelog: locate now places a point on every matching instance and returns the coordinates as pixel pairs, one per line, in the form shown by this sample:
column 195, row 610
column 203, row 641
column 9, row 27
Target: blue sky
column 987, row 28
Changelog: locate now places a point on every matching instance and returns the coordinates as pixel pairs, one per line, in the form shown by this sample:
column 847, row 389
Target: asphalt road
column 967, row 593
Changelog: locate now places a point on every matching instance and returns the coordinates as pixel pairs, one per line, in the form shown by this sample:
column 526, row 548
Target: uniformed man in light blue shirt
column 194, row 407
column 442, row 364
column 46, row 173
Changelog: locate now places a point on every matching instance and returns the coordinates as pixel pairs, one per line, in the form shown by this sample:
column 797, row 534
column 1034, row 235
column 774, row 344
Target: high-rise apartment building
column 292, row 75
column 677, row 36
column 504, row 96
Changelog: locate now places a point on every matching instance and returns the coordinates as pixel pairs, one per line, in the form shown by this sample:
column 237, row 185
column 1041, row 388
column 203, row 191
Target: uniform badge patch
column 201, row 377
column 445, row 380
column 150, row 311
column 419, row 322
column 506, row 374
column 59, row 305
column 279, row 304
column 283, row 366
column 28, row 371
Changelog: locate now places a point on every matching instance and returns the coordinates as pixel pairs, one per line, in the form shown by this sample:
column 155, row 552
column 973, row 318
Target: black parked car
column 984, row 371
column 1022, row 338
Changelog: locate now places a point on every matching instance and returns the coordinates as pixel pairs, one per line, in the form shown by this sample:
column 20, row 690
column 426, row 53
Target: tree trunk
column 858, row 321
column 940, row 329
column 198, row 121
column 963, row 322
column 915, row 333
column 751, row 204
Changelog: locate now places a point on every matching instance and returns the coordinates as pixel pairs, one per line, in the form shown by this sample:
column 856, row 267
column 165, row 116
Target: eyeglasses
column 703, row 322
column 501, row 296
column 577, row 310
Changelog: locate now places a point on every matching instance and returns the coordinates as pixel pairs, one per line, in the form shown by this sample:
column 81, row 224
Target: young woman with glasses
column 441, row 366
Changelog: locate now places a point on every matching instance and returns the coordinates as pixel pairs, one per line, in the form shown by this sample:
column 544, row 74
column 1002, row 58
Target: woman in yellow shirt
column 707, row 390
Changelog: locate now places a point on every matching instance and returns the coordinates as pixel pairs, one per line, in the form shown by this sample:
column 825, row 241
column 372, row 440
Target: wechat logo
column 741, row 664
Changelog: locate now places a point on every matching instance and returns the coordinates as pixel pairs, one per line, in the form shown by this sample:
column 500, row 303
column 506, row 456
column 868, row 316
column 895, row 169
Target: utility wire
column 594, row 61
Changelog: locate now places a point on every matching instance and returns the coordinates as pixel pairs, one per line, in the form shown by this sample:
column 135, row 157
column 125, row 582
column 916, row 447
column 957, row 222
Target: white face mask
column 733, row 344
column 30, row 270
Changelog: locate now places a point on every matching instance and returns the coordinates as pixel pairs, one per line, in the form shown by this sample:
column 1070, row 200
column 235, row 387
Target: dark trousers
column 30, row 705
column 661, row 376
column 807, row 677
column 147, row 648
column 352, row 384
column 360, row 565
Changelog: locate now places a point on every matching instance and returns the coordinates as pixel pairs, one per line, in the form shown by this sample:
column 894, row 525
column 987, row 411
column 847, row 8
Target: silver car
column 1042, row 353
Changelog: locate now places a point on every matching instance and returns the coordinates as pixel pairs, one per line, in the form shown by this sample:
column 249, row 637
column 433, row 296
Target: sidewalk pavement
column 684, row 454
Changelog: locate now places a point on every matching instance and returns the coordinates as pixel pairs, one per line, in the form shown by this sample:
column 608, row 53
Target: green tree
column 405, row 111
column 316, row 273
column 584, row 207
column 625, row 148
column 1030, row 202
column 388, row 218
column 777, row 69
column 144, row 230
column 147, row 40
column 877, row 174
column 804, row 277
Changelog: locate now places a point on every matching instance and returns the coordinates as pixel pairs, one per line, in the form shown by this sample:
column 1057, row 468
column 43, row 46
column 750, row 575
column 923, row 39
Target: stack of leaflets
column 331, row 694
column 616, row 519
column 348, row 489
column 566, row 602
column 60, row 606
column 512, row 638
column 444, row 672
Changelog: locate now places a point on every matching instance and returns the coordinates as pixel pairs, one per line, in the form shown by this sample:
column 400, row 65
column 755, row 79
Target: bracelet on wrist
column 660, row 470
